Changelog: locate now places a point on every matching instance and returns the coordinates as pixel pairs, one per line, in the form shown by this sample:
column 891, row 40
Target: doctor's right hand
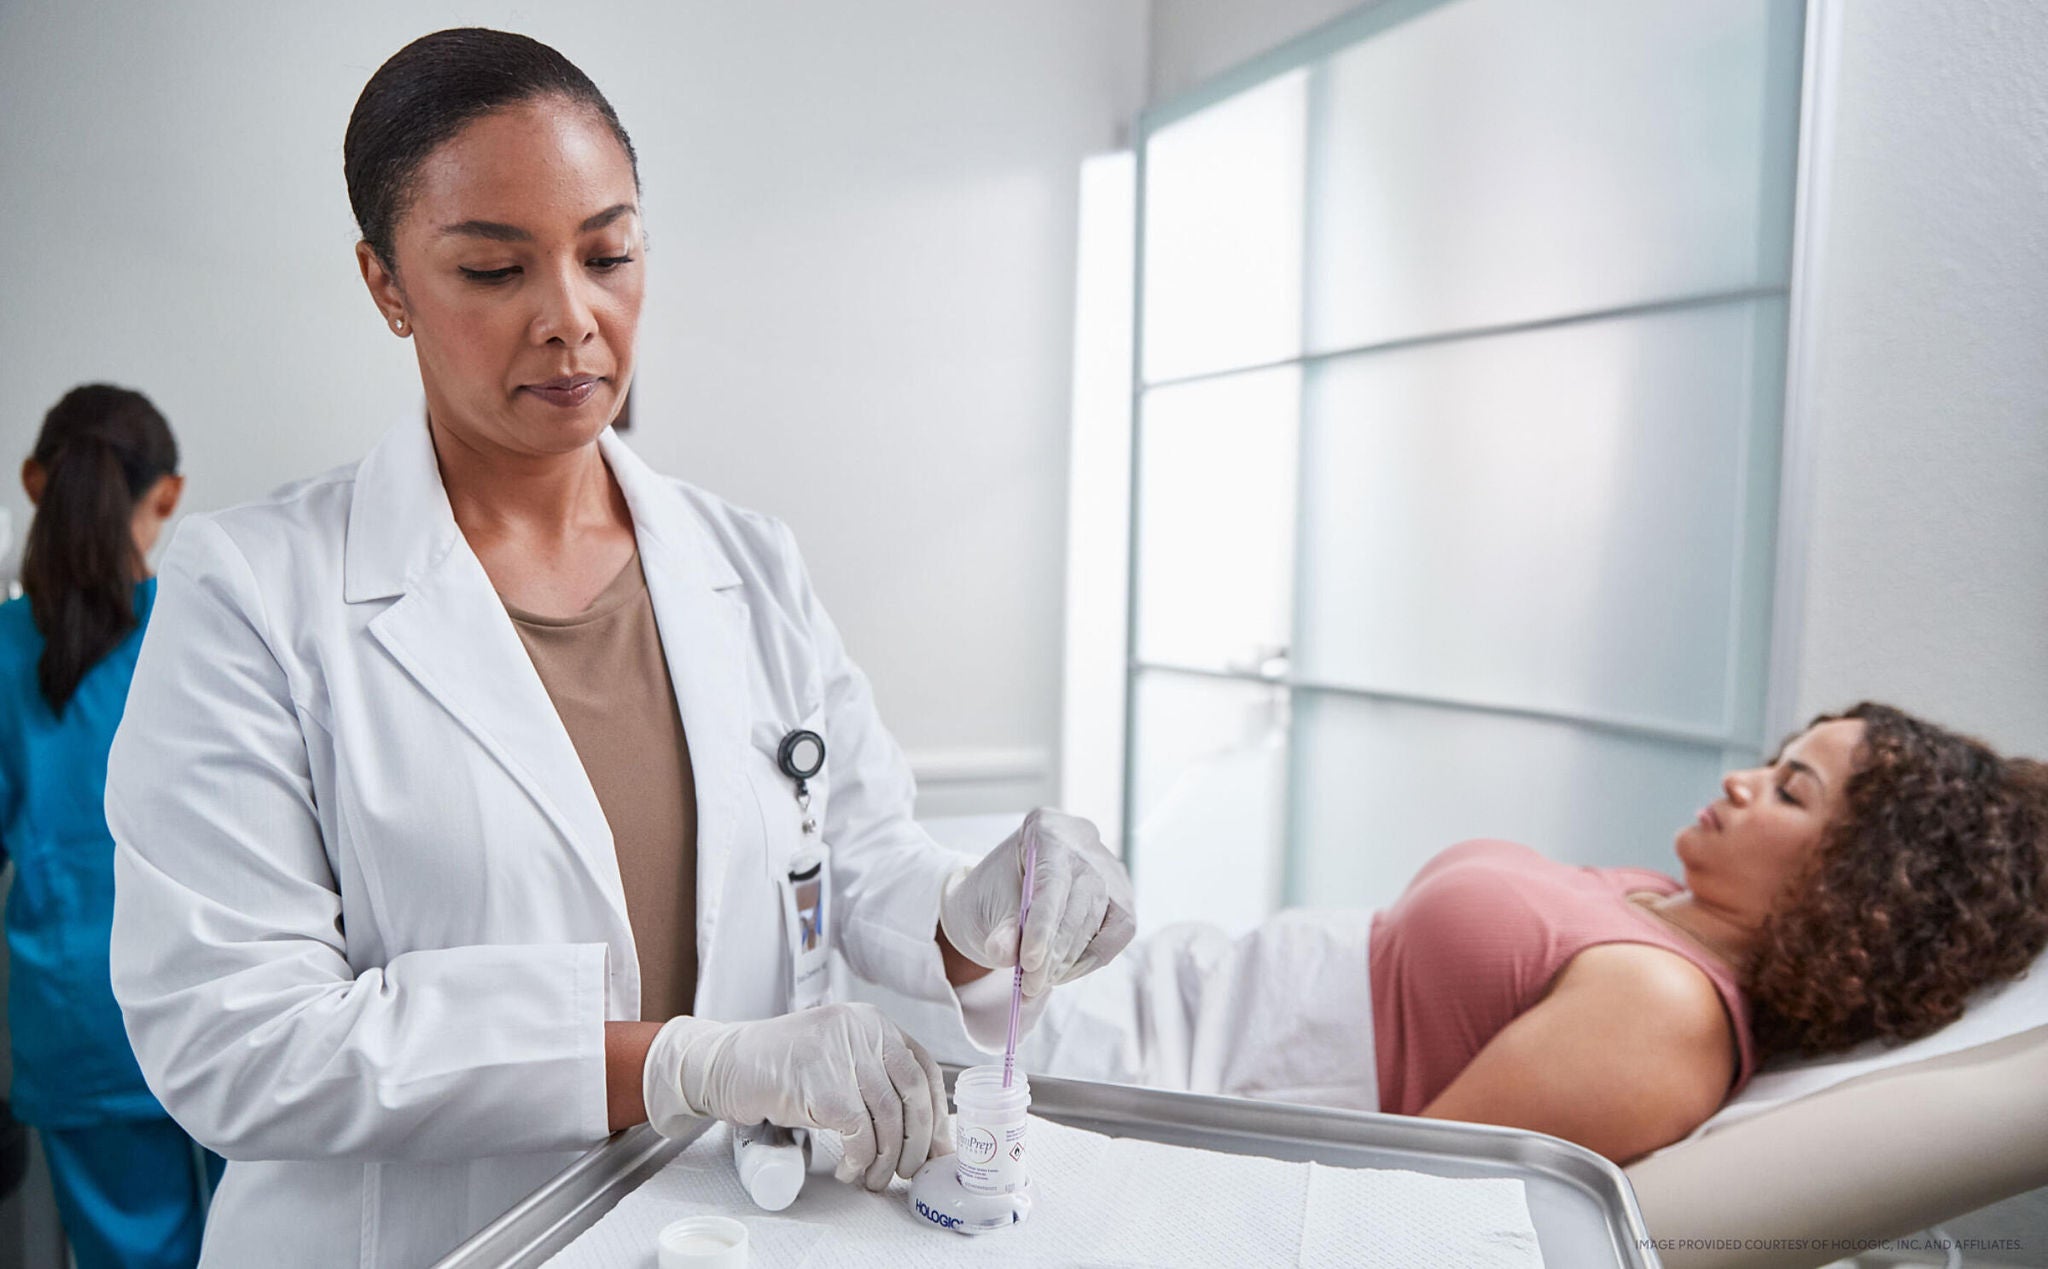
column 844, row 1068
column 1082, row 910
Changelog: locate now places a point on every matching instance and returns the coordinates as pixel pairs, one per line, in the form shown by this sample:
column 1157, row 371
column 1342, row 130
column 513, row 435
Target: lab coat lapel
column 450, row 632
column 701, row 613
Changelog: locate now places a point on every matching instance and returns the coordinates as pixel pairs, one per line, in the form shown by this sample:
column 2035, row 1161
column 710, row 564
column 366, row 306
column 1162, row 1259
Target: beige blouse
column 605, row 671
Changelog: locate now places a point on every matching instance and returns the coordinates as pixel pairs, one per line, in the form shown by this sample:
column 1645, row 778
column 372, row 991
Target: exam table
column 1878, row 1156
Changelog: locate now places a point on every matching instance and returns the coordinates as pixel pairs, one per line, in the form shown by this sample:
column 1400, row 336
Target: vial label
column 990, row 1159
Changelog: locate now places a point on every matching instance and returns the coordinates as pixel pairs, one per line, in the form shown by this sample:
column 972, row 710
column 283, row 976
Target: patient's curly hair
column 1930, row 887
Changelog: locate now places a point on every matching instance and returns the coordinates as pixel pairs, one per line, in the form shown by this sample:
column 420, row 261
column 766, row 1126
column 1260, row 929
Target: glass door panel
column 1222, row 234
column 1380, row 787
column 1552, row 519
column 1216, row 511
column 1496, row 161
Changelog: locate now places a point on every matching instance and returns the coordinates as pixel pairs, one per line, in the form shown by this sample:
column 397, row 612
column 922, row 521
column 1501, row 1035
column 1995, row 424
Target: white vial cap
column 703, row 1242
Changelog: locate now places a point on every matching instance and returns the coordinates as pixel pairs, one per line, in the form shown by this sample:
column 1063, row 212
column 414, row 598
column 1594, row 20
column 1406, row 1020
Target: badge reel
column 800, row 757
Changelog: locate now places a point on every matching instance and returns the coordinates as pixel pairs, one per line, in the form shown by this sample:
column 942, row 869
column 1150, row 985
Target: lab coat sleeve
column 229, row 950
column 887, row 871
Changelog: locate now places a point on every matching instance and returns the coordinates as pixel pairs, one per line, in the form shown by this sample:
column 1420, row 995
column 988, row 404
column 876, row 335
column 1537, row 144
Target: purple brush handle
column 1017, row 983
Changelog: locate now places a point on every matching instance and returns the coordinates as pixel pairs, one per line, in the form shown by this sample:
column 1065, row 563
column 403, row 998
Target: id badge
column 807, row 917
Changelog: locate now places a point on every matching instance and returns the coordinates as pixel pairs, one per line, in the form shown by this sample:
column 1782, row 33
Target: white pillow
column 1996, row 1013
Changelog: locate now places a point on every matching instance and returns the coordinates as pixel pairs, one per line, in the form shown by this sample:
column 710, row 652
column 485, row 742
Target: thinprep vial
column 988, row 1130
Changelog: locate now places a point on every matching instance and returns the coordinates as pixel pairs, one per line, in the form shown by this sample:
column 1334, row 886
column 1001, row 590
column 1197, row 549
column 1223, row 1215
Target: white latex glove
column 1082, row 911
column 843, row 1068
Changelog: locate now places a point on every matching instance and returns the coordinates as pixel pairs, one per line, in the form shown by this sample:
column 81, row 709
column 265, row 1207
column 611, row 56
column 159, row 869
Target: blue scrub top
column 72, row 1064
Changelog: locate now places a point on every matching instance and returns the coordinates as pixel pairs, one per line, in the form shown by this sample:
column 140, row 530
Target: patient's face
column 1759, row 836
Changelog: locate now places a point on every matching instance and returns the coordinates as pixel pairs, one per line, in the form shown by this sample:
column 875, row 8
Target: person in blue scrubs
column 131, row 1186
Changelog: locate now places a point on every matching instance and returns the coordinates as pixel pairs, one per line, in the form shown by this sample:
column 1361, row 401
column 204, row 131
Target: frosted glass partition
column 1496, row 161
column 1552, row 519
column 1380, row 787
column 1209, row 799
column 1462, row 359
column 1216, row 510
column 1222, row 234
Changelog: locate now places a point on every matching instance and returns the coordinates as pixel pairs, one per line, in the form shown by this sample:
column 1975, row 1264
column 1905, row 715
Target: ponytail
column 101, row 449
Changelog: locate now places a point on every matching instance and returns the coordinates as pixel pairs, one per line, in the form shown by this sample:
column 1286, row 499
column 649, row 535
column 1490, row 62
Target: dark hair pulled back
column 1932, row 886
column 101, row 449
column 430, row 90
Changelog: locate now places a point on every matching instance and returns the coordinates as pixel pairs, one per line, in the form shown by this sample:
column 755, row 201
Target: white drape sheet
column 1282, row 1013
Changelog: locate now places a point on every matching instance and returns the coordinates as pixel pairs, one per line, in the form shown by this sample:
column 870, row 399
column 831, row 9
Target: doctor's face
column 1761, row 834
column 518, row 274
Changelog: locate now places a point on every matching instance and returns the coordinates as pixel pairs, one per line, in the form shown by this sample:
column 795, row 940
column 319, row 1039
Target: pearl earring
column 398, row 326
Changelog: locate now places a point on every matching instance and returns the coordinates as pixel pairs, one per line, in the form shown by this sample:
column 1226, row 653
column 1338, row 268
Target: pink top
column 1475, row 941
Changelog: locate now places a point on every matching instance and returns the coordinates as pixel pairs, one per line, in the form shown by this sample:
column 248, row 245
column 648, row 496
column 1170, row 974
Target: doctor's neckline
column 627, row 585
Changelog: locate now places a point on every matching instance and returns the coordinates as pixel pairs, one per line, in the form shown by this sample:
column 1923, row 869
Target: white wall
column 860, row 301
column 1926, row 578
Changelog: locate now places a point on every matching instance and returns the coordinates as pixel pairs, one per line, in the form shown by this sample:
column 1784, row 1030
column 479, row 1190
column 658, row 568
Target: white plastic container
column 988, row 1130
column 771, row 1163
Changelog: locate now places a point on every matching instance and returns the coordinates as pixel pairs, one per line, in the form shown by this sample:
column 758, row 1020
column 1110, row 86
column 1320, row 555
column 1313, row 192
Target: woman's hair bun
column 430, row 90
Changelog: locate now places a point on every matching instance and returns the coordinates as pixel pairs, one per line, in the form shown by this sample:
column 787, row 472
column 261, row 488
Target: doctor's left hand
column 843, row 1068
column 1082, row 910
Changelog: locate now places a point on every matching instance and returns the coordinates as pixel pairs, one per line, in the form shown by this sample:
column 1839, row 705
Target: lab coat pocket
column 797, row 856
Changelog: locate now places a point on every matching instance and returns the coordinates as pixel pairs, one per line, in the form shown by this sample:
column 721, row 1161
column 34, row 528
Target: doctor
column 454, row 818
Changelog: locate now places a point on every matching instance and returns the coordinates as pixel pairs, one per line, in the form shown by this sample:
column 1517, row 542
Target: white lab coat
column 368, row 921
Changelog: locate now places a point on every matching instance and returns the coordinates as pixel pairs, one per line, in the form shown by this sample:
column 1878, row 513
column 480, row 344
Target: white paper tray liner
column 1111, row 1201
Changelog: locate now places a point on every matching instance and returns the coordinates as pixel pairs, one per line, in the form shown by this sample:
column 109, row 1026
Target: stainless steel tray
column 1583, row 1209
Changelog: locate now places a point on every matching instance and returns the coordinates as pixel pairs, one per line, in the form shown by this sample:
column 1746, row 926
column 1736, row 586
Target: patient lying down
column 1862, row 886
